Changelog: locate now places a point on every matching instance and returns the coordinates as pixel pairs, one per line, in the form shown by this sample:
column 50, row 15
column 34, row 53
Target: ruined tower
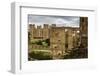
column 46, row 31
column 84, row 31
column 32, row 30
column 57, row 42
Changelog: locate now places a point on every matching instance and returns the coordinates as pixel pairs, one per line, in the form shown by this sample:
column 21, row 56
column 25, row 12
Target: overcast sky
column 71, row 21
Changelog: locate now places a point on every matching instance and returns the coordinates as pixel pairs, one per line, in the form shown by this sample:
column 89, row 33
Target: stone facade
column 84, row 31
column 38, row 33
column 57, row 42
column 72, row 37
column 62, row 39
column 46, row 31
column 32, row 31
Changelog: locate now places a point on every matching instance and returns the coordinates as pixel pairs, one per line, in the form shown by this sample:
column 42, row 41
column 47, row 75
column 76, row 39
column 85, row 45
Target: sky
column 70, row 21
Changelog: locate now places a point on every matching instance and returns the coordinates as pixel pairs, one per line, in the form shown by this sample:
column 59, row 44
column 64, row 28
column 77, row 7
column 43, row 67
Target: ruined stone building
column 57, row 41
column 46, row 31
column 84, row 31
column 61, row 39
column 31, row 31
column 38, row 33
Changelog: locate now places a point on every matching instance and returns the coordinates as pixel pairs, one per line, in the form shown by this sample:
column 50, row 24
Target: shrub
column 39, row 55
